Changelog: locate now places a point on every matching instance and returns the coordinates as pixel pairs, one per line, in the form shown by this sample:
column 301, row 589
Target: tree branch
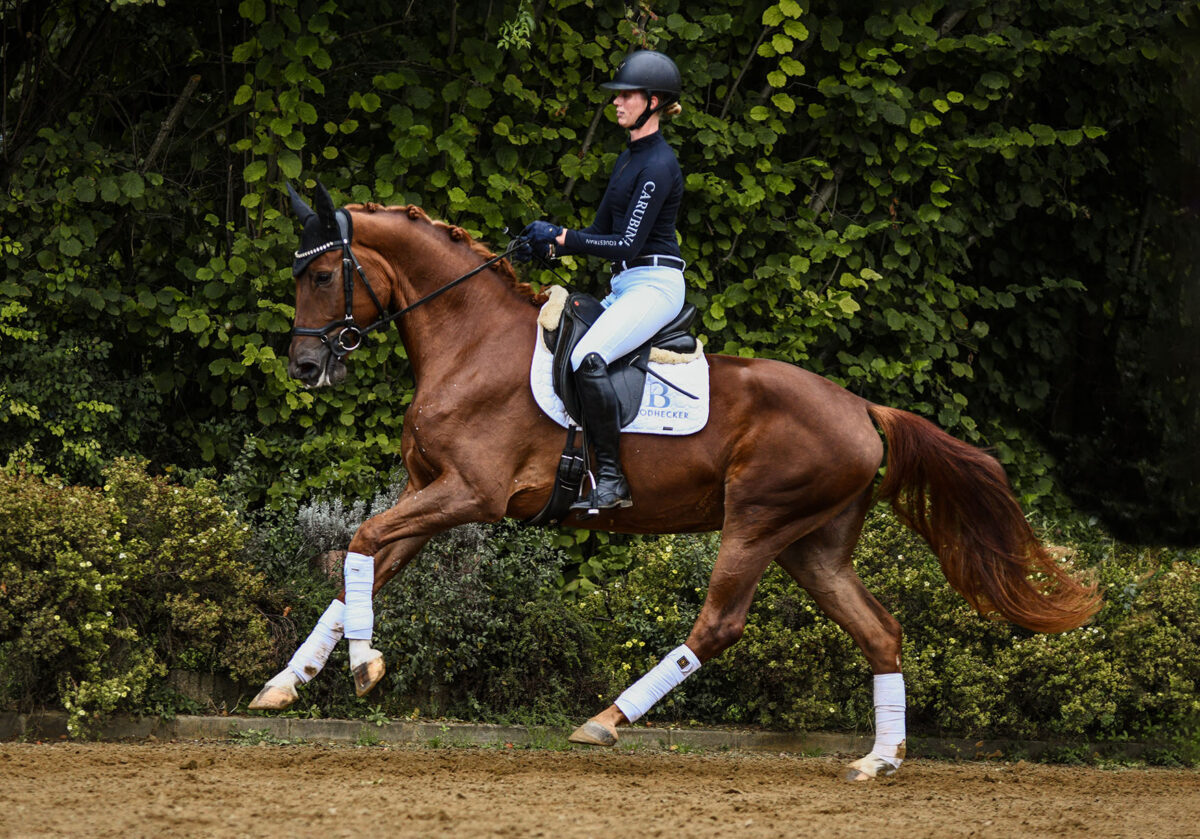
column 1135, row 261
column 169, row 124
column 587, row 143
column 818, row 204
column 753, row 52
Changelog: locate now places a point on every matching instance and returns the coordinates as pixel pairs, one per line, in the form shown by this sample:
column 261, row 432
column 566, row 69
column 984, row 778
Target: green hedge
column 104, row 590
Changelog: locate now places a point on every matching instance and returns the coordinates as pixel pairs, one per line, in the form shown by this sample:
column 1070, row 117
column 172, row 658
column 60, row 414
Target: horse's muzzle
column 316, row 366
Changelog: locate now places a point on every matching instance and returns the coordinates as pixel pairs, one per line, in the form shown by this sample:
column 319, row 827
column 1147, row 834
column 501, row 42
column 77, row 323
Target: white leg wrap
column 360, row 579
column 889, row 718
column 641, row 696
column 308, row 660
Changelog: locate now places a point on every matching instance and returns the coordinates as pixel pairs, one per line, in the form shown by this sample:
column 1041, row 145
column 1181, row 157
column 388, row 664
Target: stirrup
column 591, row 506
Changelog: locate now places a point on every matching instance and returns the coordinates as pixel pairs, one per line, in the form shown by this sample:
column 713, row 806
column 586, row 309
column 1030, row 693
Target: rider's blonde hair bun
column 673, row 110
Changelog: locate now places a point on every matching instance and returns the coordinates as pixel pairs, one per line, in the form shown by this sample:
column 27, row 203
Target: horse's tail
column 958, row 499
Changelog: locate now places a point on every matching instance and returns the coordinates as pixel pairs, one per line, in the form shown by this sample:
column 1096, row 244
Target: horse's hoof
column 593, row 734
column 274, row 698
column 868, row 768
column 368, row 674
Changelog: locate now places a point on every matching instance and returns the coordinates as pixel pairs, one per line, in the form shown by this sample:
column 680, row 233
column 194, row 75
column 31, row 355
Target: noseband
column 352, row 336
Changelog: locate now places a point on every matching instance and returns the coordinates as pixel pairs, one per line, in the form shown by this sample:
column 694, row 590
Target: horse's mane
column 457, row 234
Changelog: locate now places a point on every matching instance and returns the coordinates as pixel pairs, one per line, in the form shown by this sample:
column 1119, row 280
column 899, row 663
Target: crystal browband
column 328, row 246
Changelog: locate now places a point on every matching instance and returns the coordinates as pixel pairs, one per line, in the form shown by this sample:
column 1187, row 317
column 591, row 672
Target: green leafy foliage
column 943, row 206
column 105, row 590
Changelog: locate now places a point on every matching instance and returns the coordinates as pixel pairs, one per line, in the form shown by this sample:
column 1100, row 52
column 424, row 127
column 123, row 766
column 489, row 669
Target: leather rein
column 352, row 336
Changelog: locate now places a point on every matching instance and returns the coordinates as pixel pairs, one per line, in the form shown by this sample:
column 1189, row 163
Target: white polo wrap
column 308, row 660
column 642, row 694
column 360, row 579
column 889, row 718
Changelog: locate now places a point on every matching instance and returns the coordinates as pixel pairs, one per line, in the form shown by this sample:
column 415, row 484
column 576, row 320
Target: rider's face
column 630, row 104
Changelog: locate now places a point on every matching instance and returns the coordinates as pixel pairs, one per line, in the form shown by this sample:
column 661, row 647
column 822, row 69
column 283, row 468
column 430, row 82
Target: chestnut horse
column 784, row 468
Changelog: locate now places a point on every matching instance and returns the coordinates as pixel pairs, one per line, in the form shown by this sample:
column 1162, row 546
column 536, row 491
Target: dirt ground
column 233, row 790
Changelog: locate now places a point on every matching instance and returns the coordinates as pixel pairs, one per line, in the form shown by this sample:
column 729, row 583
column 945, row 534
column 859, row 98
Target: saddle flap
column 676, row 336
column 681, row 324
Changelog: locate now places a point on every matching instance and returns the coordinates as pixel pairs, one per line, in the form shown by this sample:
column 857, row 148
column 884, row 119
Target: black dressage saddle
column 628, row 374
column 629, row 378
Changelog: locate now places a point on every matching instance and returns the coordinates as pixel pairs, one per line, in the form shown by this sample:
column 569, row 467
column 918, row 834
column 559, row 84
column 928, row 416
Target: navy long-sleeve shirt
column 637, row 215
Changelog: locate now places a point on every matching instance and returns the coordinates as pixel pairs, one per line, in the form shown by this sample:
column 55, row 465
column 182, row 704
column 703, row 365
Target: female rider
column 634, row 228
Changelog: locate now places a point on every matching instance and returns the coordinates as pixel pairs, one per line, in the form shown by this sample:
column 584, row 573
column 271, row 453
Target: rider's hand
column 539, row 232
column 522, row 251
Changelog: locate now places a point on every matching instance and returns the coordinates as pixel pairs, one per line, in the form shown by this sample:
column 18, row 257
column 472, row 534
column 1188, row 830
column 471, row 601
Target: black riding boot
column 602, row 422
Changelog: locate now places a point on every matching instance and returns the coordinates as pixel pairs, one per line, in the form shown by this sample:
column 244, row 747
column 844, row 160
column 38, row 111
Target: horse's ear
column 327, row 213
column 301, row 209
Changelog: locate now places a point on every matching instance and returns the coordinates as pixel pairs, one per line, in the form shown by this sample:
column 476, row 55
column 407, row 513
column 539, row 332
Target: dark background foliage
column 981, row 211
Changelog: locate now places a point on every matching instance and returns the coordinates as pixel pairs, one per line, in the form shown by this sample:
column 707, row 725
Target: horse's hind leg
column 310, row 657
column 821, row 563
column 740, row 564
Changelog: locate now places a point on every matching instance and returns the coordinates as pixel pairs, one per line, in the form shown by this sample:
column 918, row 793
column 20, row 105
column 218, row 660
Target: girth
column 628, row 374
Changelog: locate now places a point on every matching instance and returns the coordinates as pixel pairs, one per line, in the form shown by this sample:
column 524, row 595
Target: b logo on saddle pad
column 674, row 400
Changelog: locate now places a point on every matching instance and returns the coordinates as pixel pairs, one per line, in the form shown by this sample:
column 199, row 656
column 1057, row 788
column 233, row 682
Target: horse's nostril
column 306, row 371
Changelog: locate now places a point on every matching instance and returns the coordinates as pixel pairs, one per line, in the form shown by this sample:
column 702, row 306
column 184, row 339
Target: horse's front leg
column 310, row 657
column 446, row 503
column 382, row 546
column 364, row 575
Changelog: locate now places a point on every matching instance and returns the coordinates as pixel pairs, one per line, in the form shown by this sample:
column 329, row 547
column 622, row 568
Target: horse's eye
column 322, row 278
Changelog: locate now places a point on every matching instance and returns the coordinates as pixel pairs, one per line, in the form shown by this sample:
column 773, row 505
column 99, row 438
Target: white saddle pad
column 664, row 410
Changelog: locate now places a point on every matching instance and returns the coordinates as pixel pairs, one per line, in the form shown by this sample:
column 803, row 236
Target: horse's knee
column 366, row 539
column 711, row 637
column 883, row 644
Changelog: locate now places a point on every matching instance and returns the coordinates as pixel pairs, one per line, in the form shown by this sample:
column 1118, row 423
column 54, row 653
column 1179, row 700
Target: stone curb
column 52, row 725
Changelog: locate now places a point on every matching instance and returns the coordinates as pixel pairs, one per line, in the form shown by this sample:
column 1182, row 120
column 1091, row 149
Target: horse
column 786, row 467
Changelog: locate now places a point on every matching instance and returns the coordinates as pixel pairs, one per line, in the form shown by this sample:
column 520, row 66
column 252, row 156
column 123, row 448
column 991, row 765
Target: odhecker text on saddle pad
column 664, row 410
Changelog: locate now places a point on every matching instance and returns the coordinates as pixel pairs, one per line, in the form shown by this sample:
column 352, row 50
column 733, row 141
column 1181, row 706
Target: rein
column 352, row 336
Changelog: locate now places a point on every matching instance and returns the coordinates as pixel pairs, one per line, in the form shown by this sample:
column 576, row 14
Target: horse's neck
column 478, row 321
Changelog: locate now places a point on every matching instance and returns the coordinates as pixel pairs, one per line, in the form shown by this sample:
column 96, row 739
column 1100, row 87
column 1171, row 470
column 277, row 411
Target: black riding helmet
column 652, row 72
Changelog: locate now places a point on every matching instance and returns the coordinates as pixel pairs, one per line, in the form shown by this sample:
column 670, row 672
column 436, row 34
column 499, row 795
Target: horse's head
column 335, row 304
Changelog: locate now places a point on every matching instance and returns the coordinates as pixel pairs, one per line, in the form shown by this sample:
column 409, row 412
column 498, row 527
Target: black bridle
column 352, row 336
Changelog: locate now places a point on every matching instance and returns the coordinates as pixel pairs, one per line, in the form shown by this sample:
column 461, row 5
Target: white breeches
column 643, row 301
